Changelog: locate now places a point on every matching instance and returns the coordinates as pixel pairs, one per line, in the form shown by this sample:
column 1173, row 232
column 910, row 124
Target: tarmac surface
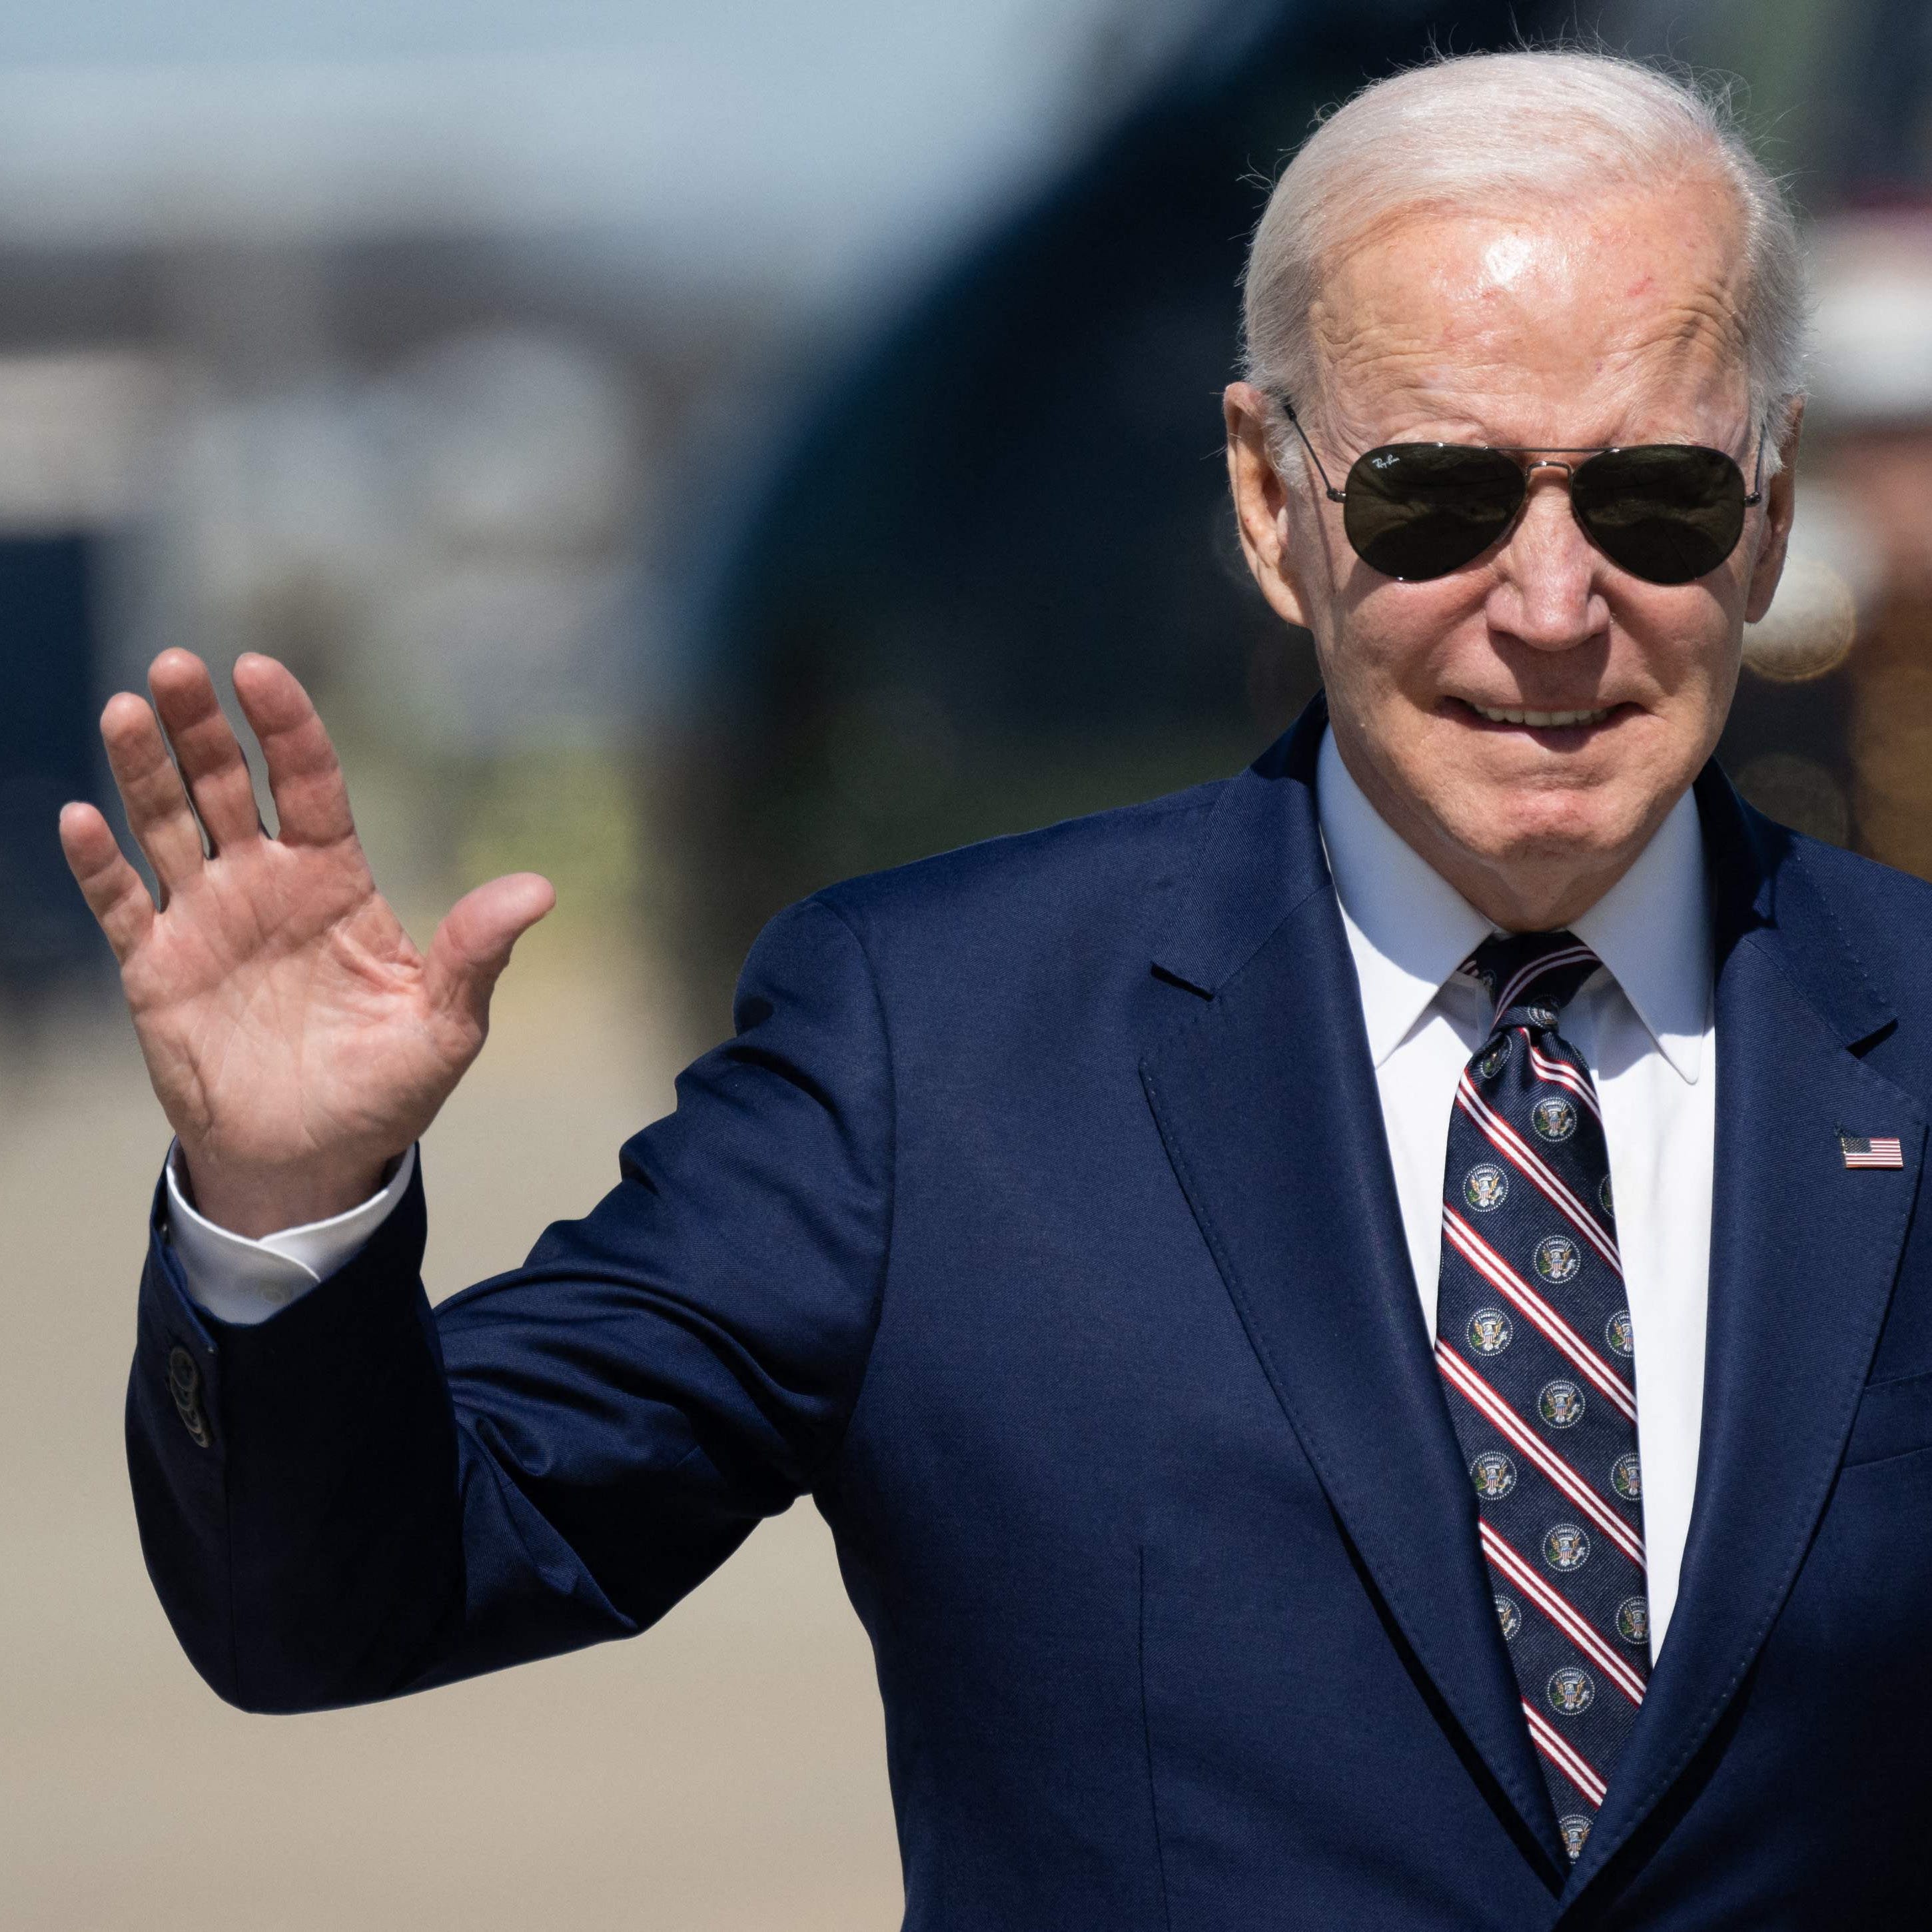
column 724, row 1772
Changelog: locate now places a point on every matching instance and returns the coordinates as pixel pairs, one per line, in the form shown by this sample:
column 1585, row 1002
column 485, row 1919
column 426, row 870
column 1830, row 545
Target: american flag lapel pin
column 1872, row 1149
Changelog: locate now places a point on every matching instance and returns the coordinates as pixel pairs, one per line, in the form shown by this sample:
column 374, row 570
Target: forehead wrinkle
column 1401, row 362
column 1704, row 314
column 1690, row 354
column 1430, row 358
column 1455, row 349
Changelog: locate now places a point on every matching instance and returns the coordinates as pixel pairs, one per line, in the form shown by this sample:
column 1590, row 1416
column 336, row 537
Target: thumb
column 473, row 945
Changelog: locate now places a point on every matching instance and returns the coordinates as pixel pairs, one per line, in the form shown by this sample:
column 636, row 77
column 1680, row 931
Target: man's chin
column 1578, row 831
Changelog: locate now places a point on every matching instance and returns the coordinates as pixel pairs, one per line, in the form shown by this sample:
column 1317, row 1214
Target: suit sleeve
column 361, row 1497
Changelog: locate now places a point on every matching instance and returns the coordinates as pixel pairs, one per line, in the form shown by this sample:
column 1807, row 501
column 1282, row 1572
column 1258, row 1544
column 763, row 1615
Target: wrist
column 256, row 1203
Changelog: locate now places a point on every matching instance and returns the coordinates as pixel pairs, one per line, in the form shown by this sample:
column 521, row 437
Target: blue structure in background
column 995, row 581
column 46, row 757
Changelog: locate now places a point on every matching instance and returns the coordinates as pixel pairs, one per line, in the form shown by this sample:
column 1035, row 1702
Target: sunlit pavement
column 726, row 1771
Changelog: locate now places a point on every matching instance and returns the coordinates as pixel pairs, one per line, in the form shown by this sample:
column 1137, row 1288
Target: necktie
column 1534, row 1345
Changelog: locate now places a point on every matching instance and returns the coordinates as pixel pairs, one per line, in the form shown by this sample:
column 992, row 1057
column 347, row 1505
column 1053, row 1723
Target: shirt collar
column 1408, row 929
column 1652, row 929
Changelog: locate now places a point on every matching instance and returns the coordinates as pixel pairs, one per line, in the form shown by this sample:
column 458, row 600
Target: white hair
column 1476, row 130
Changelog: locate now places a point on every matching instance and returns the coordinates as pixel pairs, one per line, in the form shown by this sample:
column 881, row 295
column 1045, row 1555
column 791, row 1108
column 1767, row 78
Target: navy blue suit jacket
column 1038, row 1221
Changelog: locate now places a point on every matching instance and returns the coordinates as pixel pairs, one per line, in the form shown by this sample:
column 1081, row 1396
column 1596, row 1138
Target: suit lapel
column 1266, row 1100
column 1803, row 1255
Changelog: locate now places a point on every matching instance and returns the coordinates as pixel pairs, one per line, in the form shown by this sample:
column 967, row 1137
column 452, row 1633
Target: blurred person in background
column 1871, row 472
column 1238, row 1274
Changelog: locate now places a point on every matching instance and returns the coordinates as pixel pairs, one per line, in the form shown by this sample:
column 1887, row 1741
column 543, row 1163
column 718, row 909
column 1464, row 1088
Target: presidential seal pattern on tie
column 1485, row 1187
column 1557, row 1258
column 1493, row 1475
column 1537, row 1357
column 1490, row 1331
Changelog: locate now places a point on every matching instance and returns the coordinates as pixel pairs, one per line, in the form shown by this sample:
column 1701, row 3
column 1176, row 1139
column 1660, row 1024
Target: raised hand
column 297, row 1040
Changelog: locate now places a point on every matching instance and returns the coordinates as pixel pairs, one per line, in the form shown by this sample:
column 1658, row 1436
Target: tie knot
column 1531, row 977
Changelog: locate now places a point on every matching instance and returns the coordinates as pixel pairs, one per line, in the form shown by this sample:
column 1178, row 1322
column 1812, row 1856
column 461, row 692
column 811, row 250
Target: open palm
column 297, row 1039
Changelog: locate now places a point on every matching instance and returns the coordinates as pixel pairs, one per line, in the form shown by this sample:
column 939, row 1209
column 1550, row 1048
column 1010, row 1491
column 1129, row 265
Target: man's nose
column 1547, row 574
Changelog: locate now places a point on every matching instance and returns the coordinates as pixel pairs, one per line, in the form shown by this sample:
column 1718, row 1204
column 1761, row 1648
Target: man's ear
column 1261, row 501
column 1779, row 502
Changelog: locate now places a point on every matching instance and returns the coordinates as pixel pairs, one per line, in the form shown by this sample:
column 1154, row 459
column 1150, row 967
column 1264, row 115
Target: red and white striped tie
column 1538, row 1363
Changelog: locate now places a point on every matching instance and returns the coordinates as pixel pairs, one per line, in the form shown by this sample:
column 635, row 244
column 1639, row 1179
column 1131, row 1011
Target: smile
column 1540, row 720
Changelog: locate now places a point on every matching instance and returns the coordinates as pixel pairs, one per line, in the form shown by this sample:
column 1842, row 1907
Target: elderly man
column 1361, row 1330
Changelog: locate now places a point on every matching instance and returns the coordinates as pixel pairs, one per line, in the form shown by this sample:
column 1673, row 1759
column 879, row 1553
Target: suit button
column 184, row 1386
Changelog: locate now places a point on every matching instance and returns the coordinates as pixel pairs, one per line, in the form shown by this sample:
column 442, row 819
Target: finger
column 311, row 801
column 163, row 824
column 111, row 887
column 473, row 945
column 210, row 760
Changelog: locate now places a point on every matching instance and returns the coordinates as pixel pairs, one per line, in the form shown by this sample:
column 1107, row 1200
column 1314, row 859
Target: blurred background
column 697, row 449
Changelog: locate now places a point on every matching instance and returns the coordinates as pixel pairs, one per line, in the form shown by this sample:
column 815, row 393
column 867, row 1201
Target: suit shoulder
column 1883, row 916
column 1083, row 890
column 1124, row 850
column 1896, row 906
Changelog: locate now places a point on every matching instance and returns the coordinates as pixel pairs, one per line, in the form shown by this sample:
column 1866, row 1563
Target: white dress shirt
column 1643, row 1024
column 245, row 1281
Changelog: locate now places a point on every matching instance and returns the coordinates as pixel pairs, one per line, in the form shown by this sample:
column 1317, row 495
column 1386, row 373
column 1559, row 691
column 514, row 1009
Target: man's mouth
column 1540, row 721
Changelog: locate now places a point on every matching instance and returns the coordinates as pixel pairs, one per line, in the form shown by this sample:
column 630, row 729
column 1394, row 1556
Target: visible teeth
column 1541, row 719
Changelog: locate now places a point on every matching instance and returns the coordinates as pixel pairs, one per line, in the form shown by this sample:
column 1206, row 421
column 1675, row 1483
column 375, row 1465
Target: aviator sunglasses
column 1667, row 512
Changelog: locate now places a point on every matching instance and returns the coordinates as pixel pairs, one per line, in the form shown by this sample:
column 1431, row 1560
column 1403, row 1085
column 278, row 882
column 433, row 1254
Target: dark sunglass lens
column 1669, row 512
column 1417, row 510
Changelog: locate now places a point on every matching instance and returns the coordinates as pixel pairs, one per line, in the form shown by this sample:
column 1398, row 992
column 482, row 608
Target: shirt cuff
column 243, row 1281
